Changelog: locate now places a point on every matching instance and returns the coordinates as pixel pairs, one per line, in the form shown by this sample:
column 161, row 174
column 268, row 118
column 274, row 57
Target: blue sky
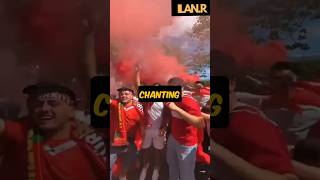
column 313, row 39
column 313, row 35
column 179, row 39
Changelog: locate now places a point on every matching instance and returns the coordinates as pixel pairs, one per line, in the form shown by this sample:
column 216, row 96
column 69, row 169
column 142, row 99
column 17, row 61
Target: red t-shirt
column 309, row 85
column 305, row 97
column 300, row 96
column 131, row 114
column 255, row 139
column 182, row 131
column 205, row 91
column 81, row 160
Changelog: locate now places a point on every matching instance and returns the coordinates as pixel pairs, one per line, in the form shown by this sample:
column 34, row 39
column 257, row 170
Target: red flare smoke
column 134, row 26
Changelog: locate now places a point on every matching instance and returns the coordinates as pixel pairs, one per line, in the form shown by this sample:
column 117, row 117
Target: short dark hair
column 125, row 89
column 176, row 81
column 48, row 87
column 36, row 90
column 283, row 65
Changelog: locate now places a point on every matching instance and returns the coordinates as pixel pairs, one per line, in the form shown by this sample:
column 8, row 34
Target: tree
column 201, row 29
column 201, row 33
column 284, row 20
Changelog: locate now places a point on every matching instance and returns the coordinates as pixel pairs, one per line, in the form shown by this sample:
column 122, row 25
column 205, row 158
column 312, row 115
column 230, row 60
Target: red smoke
column 137, row 20
column 155, row 67
column 134, row 27
column 230, row 35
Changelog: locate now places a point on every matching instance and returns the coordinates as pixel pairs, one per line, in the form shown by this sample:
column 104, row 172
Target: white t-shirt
column 155, row 115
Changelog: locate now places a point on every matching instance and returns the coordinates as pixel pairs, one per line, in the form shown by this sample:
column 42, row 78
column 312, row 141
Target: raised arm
column 137, row 78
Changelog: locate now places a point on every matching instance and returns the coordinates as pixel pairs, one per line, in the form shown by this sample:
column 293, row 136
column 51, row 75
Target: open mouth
column 123, row 99
column 46, row 116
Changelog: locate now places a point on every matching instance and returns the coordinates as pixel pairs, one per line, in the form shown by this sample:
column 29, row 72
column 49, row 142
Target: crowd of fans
column 273, row 136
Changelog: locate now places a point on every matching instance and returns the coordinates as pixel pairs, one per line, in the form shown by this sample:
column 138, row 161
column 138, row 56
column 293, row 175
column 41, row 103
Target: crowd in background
column 270, row 136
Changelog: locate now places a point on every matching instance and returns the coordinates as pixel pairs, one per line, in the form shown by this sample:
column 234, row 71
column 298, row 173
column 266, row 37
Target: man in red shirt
column 47, row 144
column 260, row 148
column 289, row 91
column 202, row 95
column 126, row 126
column 182, row 143
column 296, row 97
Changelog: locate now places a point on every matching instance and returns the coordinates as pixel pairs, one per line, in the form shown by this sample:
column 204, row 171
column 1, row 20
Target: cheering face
column 281, row 80
column 126, row 96
column 51, row 111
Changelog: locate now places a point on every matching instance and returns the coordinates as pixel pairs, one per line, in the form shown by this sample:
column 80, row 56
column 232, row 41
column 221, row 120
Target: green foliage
column 206, row 83
column 201, row 32
column 308, row 70
column 201, row 29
